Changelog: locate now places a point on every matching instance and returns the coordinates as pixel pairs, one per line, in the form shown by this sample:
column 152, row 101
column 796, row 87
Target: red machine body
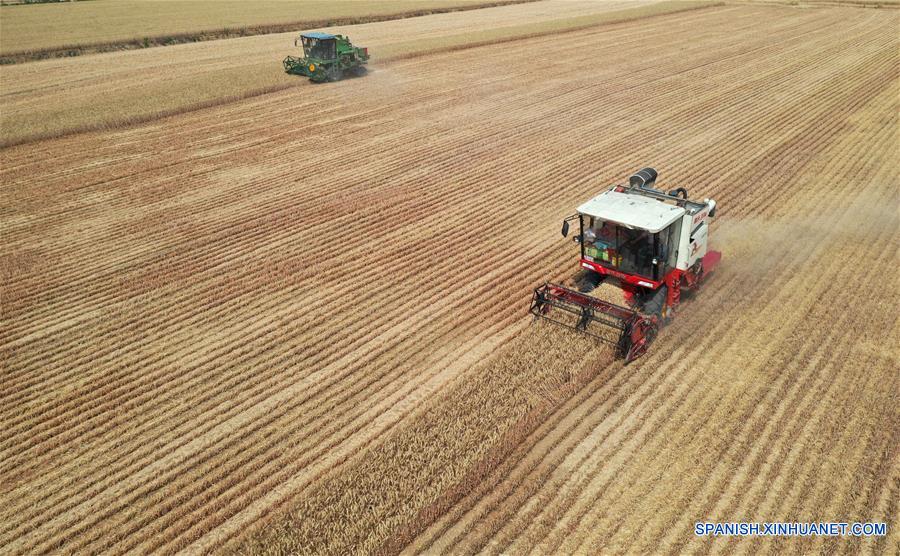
column 650, row 244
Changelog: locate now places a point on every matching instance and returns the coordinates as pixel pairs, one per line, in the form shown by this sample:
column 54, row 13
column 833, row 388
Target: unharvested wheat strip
column 481, row 525
column 197, row 71
column 808, row 407
column 584, row 408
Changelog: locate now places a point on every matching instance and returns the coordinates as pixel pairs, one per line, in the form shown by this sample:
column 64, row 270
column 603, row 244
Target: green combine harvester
column 327, row 57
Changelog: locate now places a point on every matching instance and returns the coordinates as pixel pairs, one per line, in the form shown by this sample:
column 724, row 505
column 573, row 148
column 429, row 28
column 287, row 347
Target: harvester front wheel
column 655, row 304
column 588, row 280
column 648, row 330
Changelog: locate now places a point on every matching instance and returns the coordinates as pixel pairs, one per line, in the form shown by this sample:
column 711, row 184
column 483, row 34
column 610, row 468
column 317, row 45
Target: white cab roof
column 632, row 210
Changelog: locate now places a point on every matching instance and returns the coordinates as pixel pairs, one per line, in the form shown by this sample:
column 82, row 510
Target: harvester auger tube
column 628, row 330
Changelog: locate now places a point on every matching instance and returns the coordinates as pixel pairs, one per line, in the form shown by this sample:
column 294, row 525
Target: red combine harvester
column 650, row 244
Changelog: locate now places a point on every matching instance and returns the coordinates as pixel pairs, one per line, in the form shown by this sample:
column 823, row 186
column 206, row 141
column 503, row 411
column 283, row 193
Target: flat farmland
column 55, row 97
column 297, row 322
column 52, row 27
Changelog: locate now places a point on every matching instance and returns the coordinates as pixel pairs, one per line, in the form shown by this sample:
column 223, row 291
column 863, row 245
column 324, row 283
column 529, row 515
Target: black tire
column 589, row 281
column 656, row 302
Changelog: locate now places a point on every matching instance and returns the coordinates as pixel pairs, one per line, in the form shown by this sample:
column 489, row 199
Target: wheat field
column 297, row 323
column 51, row 98
column 77, row 25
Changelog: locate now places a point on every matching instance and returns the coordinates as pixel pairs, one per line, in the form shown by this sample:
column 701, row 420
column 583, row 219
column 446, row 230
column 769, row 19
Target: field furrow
column 297, row 322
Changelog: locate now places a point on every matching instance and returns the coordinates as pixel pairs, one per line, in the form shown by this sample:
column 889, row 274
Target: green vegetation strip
column 61, row 30
column 149, row 100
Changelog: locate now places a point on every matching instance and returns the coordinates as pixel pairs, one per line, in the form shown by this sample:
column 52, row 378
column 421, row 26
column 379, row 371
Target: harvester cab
column 650, row 244
column 327, row 57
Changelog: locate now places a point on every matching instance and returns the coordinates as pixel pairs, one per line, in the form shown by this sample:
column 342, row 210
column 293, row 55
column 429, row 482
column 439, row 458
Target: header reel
column 629, row 331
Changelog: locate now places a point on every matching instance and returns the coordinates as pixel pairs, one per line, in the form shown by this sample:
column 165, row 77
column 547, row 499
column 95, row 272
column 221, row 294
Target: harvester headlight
column 312, row 67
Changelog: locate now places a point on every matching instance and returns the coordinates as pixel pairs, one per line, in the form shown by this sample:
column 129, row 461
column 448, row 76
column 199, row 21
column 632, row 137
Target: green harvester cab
column 327, row 57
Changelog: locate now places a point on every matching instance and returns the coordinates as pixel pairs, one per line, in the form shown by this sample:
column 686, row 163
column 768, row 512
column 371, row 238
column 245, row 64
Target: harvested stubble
column 200, row 329
column 57, row 97
column 68, row 29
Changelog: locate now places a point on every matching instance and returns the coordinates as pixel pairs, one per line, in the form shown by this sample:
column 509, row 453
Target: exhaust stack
column 644, row 178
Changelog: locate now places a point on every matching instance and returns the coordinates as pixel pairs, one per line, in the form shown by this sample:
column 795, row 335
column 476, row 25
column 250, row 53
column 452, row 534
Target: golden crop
column 298, row 322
